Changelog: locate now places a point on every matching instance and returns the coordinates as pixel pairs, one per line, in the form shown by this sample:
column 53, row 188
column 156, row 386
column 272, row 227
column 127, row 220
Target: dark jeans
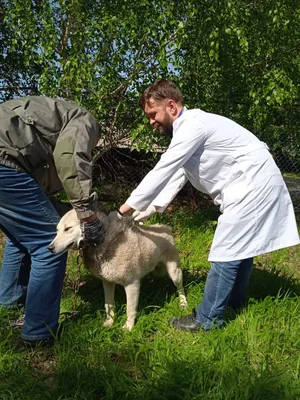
column 29, row 221
column 226, row 285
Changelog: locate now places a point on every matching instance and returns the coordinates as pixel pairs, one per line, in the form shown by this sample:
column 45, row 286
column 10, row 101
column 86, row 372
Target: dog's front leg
column 109, row 294
column 132, row 297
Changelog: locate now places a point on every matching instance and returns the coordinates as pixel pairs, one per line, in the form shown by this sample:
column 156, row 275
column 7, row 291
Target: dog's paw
column 183, row 303
column 108, row 322
column 128, row 326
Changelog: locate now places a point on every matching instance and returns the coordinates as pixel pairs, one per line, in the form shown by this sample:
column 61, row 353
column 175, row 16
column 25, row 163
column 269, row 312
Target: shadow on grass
column 267, row 284
column 107, row 370
column 196, row 379
column 183, row 374
column 270, row 282
column 156, row 290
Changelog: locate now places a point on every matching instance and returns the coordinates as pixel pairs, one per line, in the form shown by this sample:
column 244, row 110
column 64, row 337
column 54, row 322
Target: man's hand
column 125, row 209
column 115, row 215
column 141, row 216
column 92, row 231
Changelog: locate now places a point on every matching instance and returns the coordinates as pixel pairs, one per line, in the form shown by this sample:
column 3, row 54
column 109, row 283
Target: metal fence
column 281, row 133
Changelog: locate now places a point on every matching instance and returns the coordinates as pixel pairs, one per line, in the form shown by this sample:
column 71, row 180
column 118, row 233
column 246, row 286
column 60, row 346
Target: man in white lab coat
column 226, row 161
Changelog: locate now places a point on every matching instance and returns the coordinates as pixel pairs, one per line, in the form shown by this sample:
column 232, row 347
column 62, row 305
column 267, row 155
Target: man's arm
column 170, row 191
column 189, row 136
column 164, row 198
column 73, row 160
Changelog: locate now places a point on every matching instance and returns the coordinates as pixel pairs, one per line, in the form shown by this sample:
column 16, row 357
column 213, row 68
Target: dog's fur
column 129, row 252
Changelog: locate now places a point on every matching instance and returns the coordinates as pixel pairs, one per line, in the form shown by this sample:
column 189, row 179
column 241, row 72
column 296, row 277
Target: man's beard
column 167, row 126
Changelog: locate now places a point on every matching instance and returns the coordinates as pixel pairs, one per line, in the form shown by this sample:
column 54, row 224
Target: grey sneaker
column 188, row 323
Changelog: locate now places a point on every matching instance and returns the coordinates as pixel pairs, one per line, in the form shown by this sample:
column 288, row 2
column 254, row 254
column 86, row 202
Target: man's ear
column 172, row 106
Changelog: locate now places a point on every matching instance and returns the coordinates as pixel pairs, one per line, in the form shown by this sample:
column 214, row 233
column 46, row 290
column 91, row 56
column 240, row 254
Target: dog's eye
column 67, row 229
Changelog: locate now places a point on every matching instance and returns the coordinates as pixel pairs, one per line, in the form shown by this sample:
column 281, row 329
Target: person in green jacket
column 45, row 146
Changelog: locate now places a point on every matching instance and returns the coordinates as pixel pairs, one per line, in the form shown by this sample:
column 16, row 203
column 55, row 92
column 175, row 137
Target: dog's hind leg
column 109, row 294
column 171, row 260
column 132, row 297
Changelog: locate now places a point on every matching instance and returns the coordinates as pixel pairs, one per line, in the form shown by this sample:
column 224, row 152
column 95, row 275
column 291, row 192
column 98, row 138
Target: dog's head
column 68, row 236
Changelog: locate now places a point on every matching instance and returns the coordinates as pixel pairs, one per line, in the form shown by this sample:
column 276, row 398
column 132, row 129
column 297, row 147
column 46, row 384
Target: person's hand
column 92, row 231
column 115, row 215
column 141, row 216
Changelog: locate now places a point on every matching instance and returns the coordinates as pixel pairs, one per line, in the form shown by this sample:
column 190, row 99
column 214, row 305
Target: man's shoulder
column 42, row 100
column 189, row 116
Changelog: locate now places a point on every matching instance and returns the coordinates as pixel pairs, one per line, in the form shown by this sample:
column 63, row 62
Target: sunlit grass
column 256, row 356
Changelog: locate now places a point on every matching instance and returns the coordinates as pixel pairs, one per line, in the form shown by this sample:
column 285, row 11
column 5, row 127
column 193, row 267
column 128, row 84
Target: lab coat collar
column 178, row 120
column 182, row 111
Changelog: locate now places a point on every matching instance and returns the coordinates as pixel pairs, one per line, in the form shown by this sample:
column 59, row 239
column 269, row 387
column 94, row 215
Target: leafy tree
column 229, row 56
column 17, row 76
column 97, row 53
column 241, row 59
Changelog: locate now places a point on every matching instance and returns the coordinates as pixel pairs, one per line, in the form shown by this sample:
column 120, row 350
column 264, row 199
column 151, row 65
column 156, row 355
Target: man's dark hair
column 162, row 89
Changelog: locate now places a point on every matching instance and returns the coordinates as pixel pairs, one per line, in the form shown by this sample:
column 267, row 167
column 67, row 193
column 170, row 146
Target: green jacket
column 52, row 140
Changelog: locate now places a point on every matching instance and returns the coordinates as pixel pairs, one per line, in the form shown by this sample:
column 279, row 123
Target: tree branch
column 65, row 40
column 123, row 86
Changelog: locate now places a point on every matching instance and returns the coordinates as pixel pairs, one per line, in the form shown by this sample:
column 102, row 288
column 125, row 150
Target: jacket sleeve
column 190, row 134
column 73, row 159
column 170, row 191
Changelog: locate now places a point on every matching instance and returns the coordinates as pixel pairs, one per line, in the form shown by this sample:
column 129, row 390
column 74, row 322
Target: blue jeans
column 29, row 221
column 226, row 285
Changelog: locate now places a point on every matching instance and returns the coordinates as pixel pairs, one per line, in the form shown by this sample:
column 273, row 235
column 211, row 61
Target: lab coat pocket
column 234, row 193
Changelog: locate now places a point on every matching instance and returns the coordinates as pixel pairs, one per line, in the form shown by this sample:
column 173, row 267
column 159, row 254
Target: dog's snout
column 51, row 247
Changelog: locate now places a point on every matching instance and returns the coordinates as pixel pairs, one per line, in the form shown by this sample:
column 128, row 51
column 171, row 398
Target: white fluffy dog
column 129, row 252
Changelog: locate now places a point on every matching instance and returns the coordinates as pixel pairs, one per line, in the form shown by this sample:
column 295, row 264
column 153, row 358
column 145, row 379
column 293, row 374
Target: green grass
column 292, row 174
column 256, row 356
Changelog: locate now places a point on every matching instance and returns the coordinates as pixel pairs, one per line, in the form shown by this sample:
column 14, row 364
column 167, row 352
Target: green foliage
column 241, row 59
column 96, row 53
column 249, row 48
column 226, row 55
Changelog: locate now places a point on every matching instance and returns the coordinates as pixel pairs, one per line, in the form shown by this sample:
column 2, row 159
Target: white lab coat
column 226, row 161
